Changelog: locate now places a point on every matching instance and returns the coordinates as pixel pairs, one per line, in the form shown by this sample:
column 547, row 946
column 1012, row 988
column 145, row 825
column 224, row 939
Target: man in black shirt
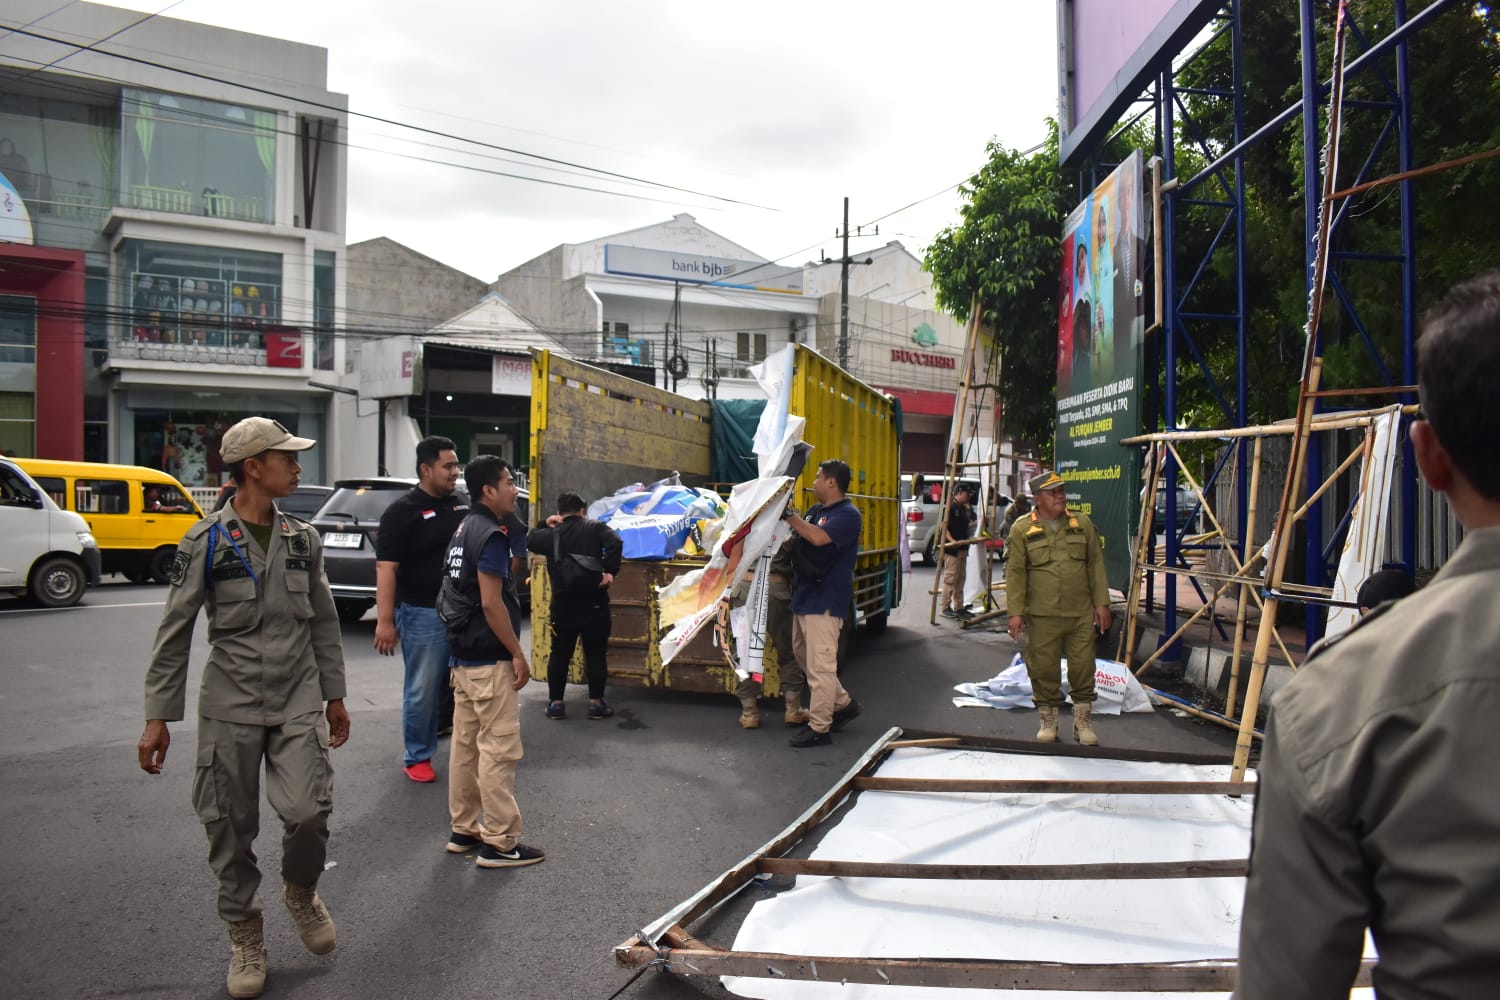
column 959, row 528
column 580, row 598
column 414, row 536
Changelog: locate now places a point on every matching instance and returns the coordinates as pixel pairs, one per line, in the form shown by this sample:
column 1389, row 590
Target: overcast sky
column 790, row 106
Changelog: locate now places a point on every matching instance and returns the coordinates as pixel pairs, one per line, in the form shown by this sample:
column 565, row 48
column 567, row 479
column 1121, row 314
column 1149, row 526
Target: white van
column 44, row 551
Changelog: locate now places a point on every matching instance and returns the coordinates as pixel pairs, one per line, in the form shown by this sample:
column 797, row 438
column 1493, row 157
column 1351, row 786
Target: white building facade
column 195, row 177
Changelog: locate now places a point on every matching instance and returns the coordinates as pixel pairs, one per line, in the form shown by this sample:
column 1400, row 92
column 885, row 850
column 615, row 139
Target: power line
column 388, row 121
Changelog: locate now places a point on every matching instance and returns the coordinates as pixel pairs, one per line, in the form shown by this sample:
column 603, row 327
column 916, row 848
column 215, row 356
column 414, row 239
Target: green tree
column 1004, row 254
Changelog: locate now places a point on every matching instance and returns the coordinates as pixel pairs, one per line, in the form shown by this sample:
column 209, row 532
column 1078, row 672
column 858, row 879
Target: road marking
column 83, row 607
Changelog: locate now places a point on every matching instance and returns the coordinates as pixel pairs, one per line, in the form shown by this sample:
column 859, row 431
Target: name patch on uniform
column 302, row 564
column 177, row 572
column 230, row 571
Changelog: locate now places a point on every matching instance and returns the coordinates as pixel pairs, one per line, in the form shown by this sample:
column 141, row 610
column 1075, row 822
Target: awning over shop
column 922, row 402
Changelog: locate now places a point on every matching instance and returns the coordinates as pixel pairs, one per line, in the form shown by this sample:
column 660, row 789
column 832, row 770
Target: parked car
column 922, row 507
column 349, row 521
column 45, row 551
column 1187, row 507
column 137, row 515
column 305, row 501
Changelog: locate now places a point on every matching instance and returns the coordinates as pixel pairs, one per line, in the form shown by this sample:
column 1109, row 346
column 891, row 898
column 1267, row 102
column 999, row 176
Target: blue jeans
column 424, row 647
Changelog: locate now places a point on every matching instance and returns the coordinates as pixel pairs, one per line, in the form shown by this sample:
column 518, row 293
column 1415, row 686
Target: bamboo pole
column 1046, row 786
column 1182, row 705
column 1240, row 612
column 1281, row 542
column 954, row 459
column 1104, row 871
column 1138, row 571
column 1337, row 421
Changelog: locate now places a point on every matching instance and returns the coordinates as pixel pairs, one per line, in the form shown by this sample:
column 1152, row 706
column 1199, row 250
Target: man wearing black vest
column 580, row 598
column 482, row 617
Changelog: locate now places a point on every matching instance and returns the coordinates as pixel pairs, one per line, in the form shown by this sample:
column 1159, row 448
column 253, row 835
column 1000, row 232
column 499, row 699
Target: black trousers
column 569, row 625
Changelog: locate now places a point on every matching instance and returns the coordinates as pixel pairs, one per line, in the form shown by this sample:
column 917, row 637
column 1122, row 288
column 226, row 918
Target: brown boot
column 1048, row 731
column 796, row 715
column 247, row 963
column 749, row 715
column 1083, row 730
column 314, row 925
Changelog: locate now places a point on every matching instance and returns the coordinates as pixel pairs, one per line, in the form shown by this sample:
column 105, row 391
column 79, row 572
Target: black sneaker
column 845, row 715
column 600, row 710
column 462, row 843
column 517, row 857
column 948, row 613
column 556, row 710
column 807, row 736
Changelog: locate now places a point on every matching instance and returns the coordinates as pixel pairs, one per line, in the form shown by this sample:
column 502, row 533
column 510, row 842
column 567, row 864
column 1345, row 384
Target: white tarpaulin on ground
column 1364, row 546
column 1117, row 689
column 1105, row 921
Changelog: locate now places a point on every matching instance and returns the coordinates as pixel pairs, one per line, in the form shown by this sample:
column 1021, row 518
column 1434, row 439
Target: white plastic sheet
column 1162, row 920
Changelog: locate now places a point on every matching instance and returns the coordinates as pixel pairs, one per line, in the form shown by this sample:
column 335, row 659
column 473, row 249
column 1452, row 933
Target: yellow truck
column 594, row 431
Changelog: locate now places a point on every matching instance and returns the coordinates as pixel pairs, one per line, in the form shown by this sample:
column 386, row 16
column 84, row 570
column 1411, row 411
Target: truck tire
column 58, row 582
column 161, row 564
column 876, row 624
column 929, row 554
column 351, row 611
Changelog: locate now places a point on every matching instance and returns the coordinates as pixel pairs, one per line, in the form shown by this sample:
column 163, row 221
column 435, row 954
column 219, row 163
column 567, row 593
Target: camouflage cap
column 1045, row 481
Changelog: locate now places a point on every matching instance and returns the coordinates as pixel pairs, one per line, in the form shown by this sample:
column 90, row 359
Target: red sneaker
column 420, row 771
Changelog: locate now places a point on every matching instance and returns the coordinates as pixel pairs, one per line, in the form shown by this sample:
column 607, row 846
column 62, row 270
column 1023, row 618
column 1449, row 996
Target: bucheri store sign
column 923, row 358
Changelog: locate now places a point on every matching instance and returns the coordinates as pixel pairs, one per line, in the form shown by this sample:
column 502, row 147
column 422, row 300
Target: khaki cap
column 1045, row 481
column 254, row 435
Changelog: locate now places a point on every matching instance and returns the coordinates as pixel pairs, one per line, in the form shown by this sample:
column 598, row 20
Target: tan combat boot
column 749, row 715
column 1083, row 730
column 796, row 715
column 1048, row 731
column 247, row 963
column 314, row 925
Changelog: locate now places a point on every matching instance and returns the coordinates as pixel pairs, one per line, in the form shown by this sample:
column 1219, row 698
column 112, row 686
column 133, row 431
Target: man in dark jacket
column 580, row 598
column 482, row 617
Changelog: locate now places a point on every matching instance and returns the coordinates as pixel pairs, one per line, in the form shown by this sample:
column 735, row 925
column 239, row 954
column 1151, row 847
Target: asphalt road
column 107, row 890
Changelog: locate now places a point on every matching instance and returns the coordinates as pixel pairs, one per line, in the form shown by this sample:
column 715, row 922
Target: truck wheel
column 58, row 583
column 351, row 611
column 875, row 624
column 161, row 564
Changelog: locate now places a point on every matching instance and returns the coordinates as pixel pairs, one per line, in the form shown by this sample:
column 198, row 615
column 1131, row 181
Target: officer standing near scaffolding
column 1057, row 592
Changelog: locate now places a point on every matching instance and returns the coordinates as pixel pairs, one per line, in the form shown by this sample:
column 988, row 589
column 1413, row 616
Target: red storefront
column 54, row 279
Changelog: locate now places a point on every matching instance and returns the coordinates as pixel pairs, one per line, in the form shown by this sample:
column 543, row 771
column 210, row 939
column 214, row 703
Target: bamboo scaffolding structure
column 1125, row 653
column 1182, row 705
column 1244, row 601
column 1338, row 420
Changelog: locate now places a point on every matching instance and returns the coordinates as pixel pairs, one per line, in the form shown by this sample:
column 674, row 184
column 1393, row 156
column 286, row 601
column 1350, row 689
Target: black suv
column 349, row 520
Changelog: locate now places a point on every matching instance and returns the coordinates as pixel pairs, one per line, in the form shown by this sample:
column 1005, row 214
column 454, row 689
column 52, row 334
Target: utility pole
column 845, row 264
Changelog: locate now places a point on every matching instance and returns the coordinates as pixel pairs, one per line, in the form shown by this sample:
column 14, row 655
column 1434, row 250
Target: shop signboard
column 283, row 347
column 390, row 367
column 1101, row 324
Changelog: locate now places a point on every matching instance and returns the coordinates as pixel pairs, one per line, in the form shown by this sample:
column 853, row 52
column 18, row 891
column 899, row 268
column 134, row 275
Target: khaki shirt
column 275, row 647
column 1062, row 574
column 1378, row 804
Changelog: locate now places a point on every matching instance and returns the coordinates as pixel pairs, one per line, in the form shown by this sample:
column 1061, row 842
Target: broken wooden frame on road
column 670, row 942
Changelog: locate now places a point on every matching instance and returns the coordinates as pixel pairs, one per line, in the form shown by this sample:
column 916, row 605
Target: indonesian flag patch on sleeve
column 428, row 515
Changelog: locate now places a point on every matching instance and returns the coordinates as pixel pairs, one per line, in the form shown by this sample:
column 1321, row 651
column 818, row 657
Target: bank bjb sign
column 698, row 269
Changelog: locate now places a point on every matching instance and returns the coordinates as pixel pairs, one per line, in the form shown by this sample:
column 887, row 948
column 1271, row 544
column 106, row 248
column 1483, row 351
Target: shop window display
column 185, row 444
column 201, row 295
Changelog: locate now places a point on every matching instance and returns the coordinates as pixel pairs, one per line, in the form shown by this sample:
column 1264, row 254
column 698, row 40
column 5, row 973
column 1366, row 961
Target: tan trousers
column 1048, row 639
column 955, row 574
column 226, row 795
column 485, row 750
column 815, row 641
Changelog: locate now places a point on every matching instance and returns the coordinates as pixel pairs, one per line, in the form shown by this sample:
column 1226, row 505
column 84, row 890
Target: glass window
column 166, row 499
column 56, row 489
column 61, row 158
column 101, row 496
column 16, row 491
column 750, row 348
column 323, row 307
column 198, row 157
column 177, row 293
column 17, row 330
column 17, row 423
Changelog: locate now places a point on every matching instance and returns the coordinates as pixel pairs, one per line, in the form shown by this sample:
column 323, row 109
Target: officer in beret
column 275, row 673
column 1058, row 595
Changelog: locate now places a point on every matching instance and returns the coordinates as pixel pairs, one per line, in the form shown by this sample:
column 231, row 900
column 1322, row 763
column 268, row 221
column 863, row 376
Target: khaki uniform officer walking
column 1058, row 594
column 275, row 658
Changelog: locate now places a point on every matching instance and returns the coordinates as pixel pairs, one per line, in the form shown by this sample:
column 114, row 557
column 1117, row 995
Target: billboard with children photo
column 1101, row 323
